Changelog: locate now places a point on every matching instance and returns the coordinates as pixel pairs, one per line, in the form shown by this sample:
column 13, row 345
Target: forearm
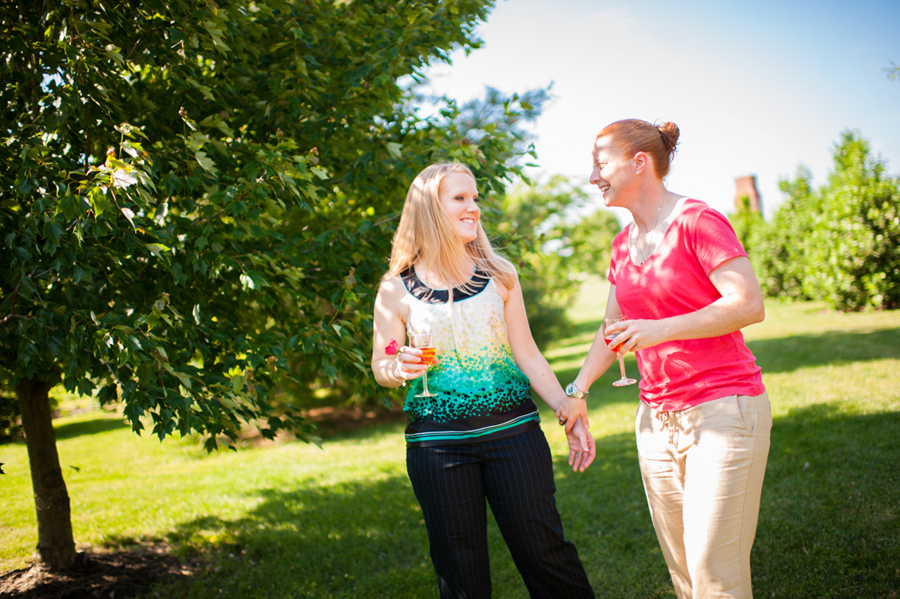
column 597, row 362
column 533, row 364
column 722, row 317
column 741, row 304
column 542, row 379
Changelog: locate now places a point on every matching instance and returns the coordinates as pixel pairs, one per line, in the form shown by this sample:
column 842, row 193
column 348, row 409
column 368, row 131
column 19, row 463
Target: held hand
column 582, row 449
column 570, row 411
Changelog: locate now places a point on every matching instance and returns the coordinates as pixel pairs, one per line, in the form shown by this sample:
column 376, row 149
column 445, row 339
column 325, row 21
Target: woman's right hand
column 582, row 449
column 409, row 364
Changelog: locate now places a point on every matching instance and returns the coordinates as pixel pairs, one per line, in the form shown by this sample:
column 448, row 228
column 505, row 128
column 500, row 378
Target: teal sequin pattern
column 477, row 375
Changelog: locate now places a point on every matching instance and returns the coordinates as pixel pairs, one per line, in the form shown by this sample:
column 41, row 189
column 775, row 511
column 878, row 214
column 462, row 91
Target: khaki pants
column 703, row 471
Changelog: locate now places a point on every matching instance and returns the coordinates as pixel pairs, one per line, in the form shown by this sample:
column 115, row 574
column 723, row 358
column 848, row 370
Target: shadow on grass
column 784, row 354
column 605, row 515
column 377, row 420
column 580, row 333
column 360, row 539
column 830, row 516
column 829, row 526
column 366, row 539
column 788, row 354
column 587, row 328
column 93, row 426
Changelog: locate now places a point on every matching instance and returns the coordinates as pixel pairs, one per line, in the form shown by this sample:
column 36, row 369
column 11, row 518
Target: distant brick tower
column 746, row 187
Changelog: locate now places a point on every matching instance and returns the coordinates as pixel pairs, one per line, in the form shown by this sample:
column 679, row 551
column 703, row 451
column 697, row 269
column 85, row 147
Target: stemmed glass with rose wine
column 607, row 322
column 422, row 340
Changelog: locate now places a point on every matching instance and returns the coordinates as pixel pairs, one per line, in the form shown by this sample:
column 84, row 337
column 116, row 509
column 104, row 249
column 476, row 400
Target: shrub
column 841, row 243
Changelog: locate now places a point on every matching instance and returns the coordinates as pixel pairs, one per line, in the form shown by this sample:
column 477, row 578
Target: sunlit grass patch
column 294, row 520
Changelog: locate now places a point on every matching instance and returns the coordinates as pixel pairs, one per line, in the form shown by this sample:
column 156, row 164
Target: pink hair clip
column 392, row 348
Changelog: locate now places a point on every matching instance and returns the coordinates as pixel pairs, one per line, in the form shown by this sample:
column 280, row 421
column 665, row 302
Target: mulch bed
column 116, row 575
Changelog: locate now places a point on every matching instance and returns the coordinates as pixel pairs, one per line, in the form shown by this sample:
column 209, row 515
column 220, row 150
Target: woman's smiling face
column 459, row 197
column 612, row 172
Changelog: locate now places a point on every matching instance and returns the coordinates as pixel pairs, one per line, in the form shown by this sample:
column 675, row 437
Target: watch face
column 572, row 391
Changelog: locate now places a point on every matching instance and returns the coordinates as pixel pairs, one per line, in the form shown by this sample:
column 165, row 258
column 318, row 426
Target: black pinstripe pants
column 515, row 475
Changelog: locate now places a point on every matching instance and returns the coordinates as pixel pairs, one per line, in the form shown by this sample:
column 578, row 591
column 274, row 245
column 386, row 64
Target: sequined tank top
column 480, row 393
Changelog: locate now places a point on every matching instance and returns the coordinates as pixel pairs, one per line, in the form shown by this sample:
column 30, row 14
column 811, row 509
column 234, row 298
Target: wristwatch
column 573, row 391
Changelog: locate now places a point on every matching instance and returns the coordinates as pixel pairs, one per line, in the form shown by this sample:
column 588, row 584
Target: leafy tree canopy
column 196, row 201
column 193, row 192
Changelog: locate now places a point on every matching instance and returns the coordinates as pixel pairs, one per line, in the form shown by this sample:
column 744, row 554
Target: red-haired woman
column 686, row 287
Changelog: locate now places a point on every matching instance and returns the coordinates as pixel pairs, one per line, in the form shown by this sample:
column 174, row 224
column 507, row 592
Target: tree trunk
column 56, row 545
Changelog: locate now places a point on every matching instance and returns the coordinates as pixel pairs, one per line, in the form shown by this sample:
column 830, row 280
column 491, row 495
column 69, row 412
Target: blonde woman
column 478, row 438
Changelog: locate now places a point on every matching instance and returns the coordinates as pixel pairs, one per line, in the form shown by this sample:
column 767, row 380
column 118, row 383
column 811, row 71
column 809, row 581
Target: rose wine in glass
column 423, row 341
column 427, row 355
column 610, row 338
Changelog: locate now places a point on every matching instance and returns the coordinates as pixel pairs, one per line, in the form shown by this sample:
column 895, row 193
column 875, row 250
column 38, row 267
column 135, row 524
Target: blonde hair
column 427, row 234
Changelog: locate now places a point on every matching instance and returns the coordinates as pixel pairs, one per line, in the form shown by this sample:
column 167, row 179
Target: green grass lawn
column 297, row 521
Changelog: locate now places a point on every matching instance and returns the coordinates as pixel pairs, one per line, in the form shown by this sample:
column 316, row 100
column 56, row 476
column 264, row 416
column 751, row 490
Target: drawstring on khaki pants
column 669, row 422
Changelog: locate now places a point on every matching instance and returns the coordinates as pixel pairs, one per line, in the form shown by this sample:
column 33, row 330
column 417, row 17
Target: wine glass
column 422, row 340
column 609, row 341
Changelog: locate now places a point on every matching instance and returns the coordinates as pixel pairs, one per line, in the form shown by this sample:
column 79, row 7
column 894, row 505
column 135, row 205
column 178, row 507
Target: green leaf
column 99, row 200
column 157, row 249
column 115, row 54
column 129, row 214
column 393, row 149
column 206, row 162
column 296, row 133
column 121, row 177
column 185, row 379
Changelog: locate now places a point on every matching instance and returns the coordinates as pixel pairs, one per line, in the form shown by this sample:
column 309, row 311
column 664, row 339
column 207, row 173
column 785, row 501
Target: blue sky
column 755, row 87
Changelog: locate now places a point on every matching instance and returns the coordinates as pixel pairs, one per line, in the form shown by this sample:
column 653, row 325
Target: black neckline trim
column 422, row 292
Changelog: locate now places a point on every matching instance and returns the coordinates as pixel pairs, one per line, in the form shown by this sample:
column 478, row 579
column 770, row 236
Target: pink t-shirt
column 677, row 375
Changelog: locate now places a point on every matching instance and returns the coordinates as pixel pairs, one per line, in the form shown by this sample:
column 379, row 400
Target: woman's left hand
column 582, row 449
